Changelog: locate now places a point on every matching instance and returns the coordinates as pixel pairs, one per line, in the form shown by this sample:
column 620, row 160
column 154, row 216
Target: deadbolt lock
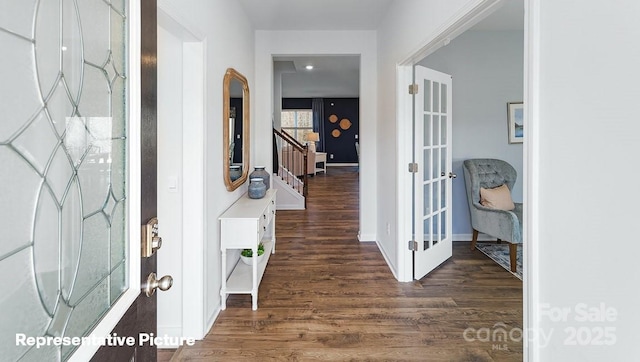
column 150, row 239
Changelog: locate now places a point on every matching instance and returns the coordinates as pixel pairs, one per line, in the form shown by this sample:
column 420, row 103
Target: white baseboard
column 386, row 259
column 289, row 207
column 366, row 237
column 212, row 320
column 341, row 164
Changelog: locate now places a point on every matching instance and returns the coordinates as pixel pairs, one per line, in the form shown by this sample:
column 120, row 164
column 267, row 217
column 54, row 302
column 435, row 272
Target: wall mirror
column 236, row 127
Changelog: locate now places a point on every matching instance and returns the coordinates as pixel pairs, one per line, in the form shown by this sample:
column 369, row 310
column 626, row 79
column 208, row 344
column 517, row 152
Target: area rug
column 500, row 254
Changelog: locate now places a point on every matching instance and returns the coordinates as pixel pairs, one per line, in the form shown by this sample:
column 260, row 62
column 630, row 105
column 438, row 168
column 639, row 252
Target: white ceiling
column 339, row 76
column 315, row 14
column 352, row 14
column 331, row 76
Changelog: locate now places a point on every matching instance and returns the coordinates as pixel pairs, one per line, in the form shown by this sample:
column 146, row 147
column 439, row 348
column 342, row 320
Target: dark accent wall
column 343, row 148
column 237, row 137
column 296, row 103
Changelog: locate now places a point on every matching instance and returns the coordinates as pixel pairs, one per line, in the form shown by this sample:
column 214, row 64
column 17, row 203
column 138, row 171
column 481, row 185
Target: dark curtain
column 317, row 107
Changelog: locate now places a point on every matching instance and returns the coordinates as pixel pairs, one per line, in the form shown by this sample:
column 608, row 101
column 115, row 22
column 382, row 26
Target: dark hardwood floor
column 326, row 296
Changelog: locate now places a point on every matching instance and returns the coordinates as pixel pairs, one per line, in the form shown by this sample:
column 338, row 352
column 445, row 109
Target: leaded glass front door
column 64, row 151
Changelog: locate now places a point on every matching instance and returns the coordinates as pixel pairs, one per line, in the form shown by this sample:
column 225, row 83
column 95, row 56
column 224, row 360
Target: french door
column 432, row 179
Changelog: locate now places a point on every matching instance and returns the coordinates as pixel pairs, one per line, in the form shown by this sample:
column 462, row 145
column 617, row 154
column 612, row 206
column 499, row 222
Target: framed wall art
column 515, row 122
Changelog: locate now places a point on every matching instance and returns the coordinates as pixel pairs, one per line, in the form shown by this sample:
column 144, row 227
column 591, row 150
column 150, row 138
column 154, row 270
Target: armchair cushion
column 497, row 198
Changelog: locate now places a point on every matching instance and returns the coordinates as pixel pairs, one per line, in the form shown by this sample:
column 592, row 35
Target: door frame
column 86, row 351
column 467, row 17
column 464, row 19
column 194, row 161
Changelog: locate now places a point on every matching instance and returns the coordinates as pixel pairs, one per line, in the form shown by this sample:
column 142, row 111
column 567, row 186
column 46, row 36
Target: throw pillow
column 497, row 198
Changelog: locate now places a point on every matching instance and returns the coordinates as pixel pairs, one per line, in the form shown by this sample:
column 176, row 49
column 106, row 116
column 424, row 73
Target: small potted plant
column 247, row 254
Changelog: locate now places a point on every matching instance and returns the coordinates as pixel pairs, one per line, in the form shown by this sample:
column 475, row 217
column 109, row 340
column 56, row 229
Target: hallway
column 326, row 296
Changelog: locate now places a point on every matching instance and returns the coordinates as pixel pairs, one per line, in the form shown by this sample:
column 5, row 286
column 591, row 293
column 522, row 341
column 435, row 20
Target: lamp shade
column 313, row 136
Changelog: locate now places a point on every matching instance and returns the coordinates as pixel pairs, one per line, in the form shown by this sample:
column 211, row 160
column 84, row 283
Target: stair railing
column 292, row 161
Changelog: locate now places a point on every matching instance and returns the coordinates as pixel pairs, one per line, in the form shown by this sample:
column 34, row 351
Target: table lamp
column 312, row 138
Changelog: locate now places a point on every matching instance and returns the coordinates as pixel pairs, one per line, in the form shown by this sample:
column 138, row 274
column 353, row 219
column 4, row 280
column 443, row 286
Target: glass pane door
column 432, row 185
column 63, row 148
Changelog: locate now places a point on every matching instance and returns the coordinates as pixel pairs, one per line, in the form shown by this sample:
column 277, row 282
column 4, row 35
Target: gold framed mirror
column 235, row 129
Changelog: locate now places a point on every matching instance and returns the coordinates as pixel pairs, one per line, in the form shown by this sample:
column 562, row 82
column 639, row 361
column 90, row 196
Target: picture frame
column 515, row 122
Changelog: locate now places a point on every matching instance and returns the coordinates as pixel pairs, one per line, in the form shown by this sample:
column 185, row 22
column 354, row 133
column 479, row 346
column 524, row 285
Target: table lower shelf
column 241, row 279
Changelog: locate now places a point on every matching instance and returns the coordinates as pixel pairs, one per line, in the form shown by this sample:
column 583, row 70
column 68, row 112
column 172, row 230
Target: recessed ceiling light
column 309, row 67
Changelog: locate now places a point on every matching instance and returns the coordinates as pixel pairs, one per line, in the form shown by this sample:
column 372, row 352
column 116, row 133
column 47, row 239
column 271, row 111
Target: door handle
column 452, row 175
column 152, row 284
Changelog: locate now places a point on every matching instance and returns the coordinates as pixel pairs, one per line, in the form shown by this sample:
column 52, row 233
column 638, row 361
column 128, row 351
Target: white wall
column 402, row 32
column 170, row 167
column 229, row 42
column 585, row 196
column 363, row 43
column 487, row 72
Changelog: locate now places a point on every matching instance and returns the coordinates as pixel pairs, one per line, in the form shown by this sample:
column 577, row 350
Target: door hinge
column 413, row 88
column 413, row 167
column 413, row 245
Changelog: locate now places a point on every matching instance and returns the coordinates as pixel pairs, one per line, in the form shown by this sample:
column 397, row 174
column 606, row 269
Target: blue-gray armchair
column 502, row 224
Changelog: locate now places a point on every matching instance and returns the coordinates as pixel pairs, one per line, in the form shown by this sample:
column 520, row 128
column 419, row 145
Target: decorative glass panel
column 443, row 101
column 443, row 225
column 443, row 193
column 427, row 96
column 435, row 170
column 435, row 198
column 443, row 130
column 427, row 233
column 436, row 130
column 436, row 96
column 427, row 199
column 63, row 129
column 434, row 229
column 427, row 164
column 427, row 130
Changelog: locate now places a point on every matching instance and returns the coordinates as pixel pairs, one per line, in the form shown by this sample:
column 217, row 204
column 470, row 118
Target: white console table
column 243, row 226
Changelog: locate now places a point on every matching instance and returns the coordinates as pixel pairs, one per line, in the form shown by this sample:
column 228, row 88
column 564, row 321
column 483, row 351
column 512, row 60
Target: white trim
column 342, row 164
column 113, row 316
column 290, row 207
column 363, row 43
column 193, row 163
column 366, row 238
column 471, row 14
column 463, row 20
column 191, row 32
column 193, row 170
column 404, row 202
column 531, row 167
column 386, row 258
column 213, row 317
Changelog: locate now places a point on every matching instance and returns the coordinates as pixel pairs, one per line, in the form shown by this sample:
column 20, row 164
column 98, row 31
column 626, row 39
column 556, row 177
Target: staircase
column 291, row 176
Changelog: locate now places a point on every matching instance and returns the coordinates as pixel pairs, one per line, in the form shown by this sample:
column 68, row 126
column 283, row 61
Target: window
column 297, row 123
